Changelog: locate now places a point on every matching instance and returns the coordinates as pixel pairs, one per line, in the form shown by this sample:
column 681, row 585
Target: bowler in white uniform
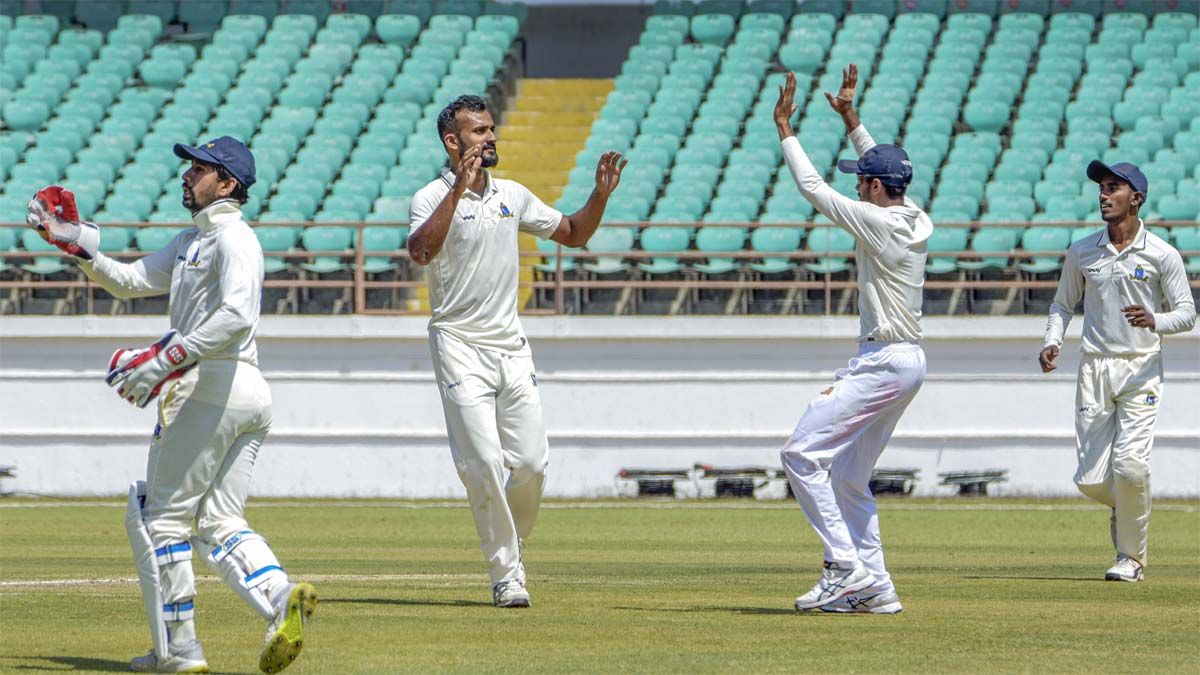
column 1134, row 290
column 464, row 230
column 832, row 452
column 214, row 409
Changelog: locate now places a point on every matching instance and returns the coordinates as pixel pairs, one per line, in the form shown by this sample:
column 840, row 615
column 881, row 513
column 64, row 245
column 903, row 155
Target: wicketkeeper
column 214, row 409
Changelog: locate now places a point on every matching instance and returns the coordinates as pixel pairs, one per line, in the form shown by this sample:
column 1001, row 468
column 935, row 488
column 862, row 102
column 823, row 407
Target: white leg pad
column 146, row 563
column 245, row 562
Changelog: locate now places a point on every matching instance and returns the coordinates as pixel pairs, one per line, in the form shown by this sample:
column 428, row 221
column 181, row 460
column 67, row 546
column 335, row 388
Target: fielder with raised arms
column 464, row 228
column 1123, row 273
column 214, row 409
column 832, row 452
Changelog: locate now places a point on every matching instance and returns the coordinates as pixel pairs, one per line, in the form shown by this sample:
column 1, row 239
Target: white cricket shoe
column 866, row 602
column 285, row 634
column 1125, row 569
column 186, row 659
column 834, row 584
column 510, row 593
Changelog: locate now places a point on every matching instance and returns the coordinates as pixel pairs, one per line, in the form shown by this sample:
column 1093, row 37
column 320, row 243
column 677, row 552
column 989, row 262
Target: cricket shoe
column 866, row 602
column 510, row 593
column 1125, row 569
column 285, row 633
column 186, row 659
column 836, row 582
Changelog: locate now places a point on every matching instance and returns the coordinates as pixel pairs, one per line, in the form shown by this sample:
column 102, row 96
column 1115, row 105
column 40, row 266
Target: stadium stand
column 1000, row 105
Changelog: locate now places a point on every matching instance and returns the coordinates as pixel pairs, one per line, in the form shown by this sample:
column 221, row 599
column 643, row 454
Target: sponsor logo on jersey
column 1139, row 274
column 452, row 385
column 1151, row 399
column 469, row 216
column 504, row 212
column 1093, row 270
column 533, row 378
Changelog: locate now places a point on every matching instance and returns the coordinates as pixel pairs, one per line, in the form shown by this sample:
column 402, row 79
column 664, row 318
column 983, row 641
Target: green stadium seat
column 775, row 240
column 664, row 240
column 990, row 240
column 945, row 240
column 802, row 58
column 42, row 265
column 323, row 238
column 831, row 240
column 612, row 240
column 1044, row 239
column 719, row 240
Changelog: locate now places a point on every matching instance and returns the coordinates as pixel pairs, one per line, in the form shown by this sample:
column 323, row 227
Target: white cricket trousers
column 211, row 425
column 494, row 421
column 1116, row 406
column 832, row 453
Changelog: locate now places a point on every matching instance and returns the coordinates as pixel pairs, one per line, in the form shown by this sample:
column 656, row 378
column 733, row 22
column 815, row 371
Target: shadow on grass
column 1025, row 578
column 79, row 663
column 406, row 602
column 762, row 611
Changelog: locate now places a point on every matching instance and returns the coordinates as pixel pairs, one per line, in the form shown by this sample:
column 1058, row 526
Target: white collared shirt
column 473, row 279
column 214, row 273
column 891, row 250
column 1145, row 273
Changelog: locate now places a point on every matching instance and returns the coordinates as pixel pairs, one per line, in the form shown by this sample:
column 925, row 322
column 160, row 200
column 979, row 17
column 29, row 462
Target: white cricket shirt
column 473, row 279
column 890, row 253
column 1146, row 273
column 214, row 273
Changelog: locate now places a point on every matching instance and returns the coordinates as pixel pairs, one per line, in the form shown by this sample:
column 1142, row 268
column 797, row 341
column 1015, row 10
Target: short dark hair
column 447, row 118
column 240, row 193
column 894, row 192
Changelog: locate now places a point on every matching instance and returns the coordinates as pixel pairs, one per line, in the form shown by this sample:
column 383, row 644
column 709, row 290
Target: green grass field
column 619, row 587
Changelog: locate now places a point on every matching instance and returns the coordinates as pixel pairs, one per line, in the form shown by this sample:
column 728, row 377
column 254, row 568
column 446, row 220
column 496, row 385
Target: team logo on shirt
column 1151, row 399
column 1139, row 274
column 504, row 212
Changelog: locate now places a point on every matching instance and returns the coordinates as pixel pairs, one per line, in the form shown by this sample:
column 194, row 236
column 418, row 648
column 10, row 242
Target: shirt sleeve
column 868, row 223
column 420, row 208
column 1070, row 290
column 240, row 273
column 537, row 218
column 861, row 139
column 144, row 277
column 1177, row 293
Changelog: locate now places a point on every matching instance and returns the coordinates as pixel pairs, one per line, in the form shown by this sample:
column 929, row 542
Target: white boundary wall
column 357, row 412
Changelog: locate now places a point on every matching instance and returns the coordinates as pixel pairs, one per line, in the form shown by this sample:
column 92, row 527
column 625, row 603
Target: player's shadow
column 407, row 602
column 751, row 611
column 1018, row 577
column 77, row 663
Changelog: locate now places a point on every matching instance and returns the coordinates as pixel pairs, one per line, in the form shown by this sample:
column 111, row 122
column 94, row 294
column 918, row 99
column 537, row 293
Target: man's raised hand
column 608, row 172
column 468, row 168
column 785, row 107
column 844, row 101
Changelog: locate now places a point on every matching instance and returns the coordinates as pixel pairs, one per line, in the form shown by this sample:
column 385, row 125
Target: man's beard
column 490, row 160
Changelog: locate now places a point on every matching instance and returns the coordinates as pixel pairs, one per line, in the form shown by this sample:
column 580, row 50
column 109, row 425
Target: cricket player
column 214, row 409
column 464, row 229
column 832, row 452
column 1126, row 276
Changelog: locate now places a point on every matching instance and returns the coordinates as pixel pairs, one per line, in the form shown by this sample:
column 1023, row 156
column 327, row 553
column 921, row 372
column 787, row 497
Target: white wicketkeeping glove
column 52, row 211
column 139, row 374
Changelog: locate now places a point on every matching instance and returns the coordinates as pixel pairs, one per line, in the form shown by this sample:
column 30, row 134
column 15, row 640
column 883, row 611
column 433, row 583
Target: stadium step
column 546, row 125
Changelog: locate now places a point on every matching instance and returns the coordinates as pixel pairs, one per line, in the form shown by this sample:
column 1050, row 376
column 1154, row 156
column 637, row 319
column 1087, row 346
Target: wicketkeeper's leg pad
column 245, row 562
column 167, row 586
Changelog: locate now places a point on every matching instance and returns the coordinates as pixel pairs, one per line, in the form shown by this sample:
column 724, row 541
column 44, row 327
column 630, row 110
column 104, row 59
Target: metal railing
column 357, row 283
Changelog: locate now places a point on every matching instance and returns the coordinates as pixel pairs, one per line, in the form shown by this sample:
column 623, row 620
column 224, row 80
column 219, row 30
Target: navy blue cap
column 1127, row 172
column 888, row 163
column 225, row 151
